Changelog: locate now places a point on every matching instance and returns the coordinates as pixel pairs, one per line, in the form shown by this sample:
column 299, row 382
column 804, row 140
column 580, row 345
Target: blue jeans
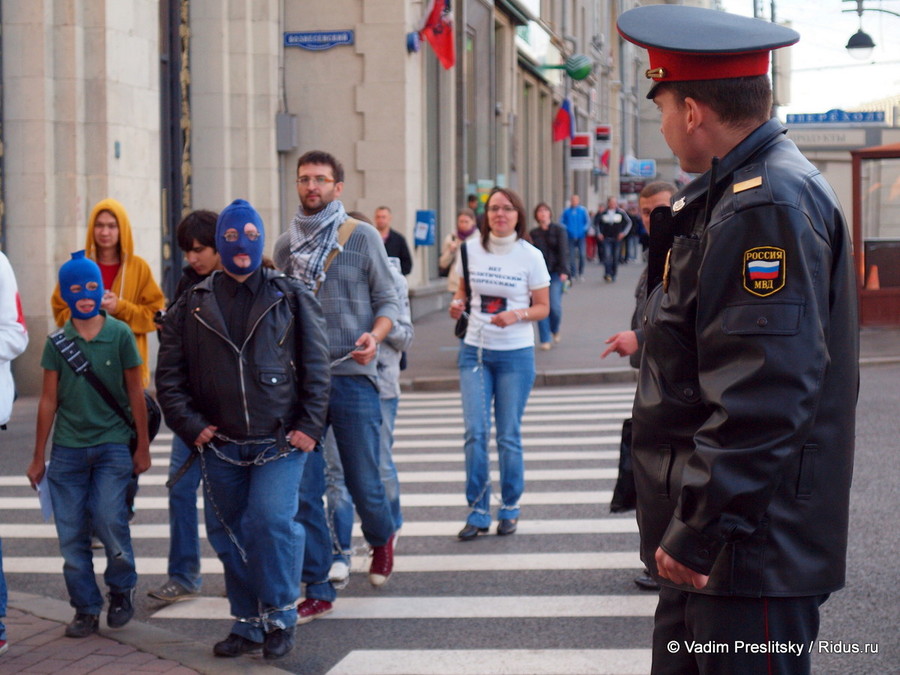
column 339, row 509
column 87, row 488
column 184, row 539
column 549, row 326
column 503, row 378
column 354, row 415
column 611, row 257
column 576, row 250
column 256, row 503
column 2, row 595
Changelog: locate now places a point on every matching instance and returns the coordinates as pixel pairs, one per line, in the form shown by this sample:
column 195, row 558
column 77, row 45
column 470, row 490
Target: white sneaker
column 339, row 573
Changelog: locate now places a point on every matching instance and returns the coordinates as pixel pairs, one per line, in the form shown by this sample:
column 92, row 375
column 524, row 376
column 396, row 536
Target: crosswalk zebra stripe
column 410, row 500
column 586, row 410
column 421, row 528
column 402, row 563
column 469, row 607
column 494, row 662
column 527, row 429
column 528, row 442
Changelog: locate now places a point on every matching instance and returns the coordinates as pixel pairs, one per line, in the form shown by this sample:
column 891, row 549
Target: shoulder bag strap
column 345, row 229
column 465, row 265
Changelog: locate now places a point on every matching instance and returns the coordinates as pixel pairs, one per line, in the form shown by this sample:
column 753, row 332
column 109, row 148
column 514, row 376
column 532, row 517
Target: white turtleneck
column 502, row 245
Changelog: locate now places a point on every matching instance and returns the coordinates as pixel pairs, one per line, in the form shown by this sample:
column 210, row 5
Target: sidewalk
column 35, row 627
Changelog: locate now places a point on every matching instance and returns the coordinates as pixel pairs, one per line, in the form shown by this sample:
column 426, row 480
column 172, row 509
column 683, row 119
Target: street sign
column 580, row 152
column 836, row 116
column 319, row 40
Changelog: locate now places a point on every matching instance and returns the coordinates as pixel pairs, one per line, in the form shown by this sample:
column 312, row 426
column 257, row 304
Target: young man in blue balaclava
column 243, row 371
column 91, row 464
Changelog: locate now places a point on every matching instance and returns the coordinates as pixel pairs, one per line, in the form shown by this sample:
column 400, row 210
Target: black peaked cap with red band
column 691, row 43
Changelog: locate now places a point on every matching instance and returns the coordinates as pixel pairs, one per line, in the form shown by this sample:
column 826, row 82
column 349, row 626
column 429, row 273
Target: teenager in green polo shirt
column 90, row 462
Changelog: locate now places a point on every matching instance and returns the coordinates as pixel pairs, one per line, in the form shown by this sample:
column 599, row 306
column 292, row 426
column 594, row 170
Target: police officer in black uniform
column 745, row 410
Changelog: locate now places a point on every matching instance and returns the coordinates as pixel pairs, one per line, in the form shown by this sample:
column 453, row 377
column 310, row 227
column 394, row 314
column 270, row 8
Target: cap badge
column 764, row 270
column 677, row 206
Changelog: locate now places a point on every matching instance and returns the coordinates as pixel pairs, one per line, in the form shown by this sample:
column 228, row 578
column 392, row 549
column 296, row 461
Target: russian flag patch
column 764, row 270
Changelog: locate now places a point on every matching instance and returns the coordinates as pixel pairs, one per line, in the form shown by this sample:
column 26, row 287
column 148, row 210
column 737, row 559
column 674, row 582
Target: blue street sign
column 426, row 220
column 838, row 117
column 319, row 40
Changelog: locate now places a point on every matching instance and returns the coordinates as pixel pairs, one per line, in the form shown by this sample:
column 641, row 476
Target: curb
column 146, row 638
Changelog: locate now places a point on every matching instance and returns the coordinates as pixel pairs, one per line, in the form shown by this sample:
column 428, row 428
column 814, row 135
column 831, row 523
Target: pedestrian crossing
column 562, row 582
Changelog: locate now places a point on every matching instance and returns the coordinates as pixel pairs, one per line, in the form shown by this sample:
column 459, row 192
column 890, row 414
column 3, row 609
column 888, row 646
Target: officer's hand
column 301, row 441
column 671, row 569
column 623, row 344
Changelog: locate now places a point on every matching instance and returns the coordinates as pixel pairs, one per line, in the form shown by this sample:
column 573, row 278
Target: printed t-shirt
column 500, row 283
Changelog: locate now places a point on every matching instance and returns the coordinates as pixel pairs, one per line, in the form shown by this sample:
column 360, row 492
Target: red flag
column 438, row 30
column 563, row 124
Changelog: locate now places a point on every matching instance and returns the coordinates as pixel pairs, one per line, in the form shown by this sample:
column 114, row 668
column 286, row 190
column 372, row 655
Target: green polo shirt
column 83, row 418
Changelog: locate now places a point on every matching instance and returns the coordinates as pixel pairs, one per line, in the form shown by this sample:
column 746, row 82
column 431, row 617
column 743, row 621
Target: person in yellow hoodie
column 132, row 294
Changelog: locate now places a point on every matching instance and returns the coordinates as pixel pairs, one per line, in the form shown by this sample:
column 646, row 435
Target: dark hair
column 384, row 208
column 521, row 221
column 736, row 100
column 543, row 205
column 656, row 187
column 471, row 197
column 199, row 225
column 322, row 157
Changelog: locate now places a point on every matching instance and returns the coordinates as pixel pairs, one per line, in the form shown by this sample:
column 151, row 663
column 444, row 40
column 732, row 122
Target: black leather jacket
column 745, row 411
column 279, row 379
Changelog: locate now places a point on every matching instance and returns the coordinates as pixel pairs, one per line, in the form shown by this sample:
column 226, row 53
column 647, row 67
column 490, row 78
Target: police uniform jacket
column 745, row 409
column 278, row 380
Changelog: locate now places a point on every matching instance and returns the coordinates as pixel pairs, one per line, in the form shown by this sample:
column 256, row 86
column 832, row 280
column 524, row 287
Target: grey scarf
column 312, row 239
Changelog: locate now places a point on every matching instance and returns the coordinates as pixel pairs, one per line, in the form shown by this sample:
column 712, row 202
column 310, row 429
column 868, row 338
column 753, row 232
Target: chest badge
column 764, row 270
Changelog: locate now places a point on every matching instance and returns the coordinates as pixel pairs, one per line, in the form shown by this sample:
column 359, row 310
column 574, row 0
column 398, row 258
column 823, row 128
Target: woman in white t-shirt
column 510, row 290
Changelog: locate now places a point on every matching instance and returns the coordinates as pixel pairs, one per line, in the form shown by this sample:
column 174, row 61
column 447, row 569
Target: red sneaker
column 311, row 609
column 382, row 563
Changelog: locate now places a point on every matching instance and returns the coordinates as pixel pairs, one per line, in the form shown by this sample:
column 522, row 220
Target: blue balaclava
column 234, row 217
column 84, row 273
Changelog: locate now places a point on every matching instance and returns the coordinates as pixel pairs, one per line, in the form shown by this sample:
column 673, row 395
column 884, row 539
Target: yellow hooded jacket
column 140, row 297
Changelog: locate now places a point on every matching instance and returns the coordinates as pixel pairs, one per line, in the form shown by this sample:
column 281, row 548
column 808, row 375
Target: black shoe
column 469, row 532
column 235, row 645
column 83, row 625
column 645, row 582
column 121, row 608
column 507, row 526
column 278, row 643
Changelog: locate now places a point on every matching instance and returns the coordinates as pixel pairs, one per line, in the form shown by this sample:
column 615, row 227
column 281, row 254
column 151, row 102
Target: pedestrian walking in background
column 243, row 373
column 344, row 259
column 745, row 410
column 509, row 286
column 612, row 225
column 394, row 243
column 577, row 222
column 91, row 464
column 132, row 294
column 13, row 341
column 552, row 241
column 465, row 227
column 196, row 235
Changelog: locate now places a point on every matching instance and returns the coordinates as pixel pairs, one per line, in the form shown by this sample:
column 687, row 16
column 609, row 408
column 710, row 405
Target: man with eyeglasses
column 344, row 261
column 256, row 415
